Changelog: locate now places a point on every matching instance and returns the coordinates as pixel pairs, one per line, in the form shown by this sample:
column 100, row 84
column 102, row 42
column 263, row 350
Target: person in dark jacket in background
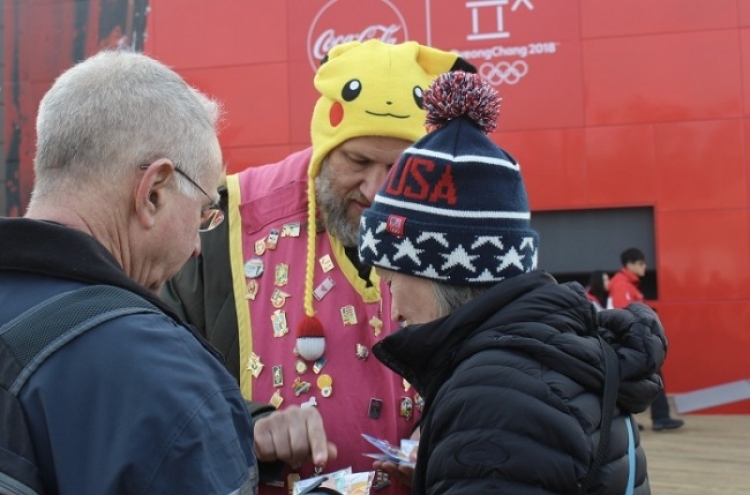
column 509, row 362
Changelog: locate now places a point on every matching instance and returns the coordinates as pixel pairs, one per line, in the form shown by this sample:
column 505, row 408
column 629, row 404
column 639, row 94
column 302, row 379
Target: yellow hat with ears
column 366, row 89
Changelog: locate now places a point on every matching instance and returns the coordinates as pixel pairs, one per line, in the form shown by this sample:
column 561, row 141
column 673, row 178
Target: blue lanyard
column 631, row 456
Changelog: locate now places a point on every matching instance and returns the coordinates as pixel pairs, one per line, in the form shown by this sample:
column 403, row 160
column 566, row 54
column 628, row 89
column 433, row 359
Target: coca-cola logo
column 341, row 21
column 328, row 38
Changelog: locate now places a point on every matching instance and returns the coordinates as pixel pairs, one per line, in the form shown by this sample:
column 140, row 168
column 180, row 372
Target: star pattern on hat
column 368, row 241
column 529, row 242
column 485, row 277
column 459, row 256
column 511, row 258
column 488, row 239
column 386, row 263
column 437, row 236
column 430, row 272
column 406, row 248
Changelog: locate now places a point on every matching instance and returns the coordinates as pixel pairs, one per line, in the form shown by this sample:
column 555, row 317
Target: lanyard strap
column 611, row 386
column 631, row 456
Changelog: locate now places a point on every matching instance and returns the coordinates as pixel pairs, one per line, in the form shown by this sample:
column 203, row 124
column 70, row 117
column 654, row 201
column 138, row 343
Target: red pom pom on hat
column 461, row 94
column 311, row 342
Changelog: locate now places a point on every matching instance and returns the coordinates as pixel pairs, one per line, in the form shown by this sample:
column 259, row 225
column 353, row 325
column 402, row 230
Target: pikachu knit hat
column 366, row 89
column 454, row 208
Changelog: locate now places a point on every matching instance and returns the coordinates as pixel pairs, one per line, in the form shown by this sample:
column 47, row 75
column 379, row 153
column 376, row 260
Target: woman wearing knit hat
column 522, row 393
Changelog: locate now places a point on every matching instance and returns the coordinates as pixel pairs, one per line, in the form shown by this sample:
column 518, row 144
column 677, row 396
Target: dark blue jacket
column 137, row 405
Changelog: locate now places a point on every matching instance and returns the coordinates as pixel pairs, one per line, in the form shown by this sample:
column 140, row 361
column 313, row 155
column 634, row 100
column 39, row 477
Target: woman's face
column 412, row 298
column 605, row 282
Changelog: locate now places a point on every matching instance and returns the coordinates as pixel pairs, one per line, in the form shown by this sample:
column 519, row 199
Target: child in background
column 597, row 291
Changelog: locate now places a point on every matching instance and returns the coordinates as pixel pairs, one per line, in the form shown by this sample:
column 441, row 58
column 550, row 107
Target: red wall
column 42, row 38
column 622, row 103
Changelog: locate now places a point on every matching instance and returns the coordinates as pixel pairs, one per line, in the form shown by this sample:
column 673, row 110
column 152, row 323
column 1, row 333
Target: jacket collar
column 52, row 249
column 630, row 276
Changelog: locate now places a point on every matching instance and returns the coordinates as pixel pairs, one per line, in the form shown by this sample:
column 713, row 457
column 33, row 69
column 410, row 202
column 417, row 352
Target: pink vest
column 268, row 252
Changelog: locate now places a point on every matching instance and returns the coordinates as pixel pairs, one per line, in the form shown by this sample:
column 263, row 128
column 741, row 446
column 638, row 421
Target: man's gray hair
column 450, row 297
column 115, row 111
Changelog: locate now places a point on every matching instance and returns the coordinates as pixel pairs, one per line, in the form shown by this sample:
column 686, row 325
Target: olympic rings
column 503, row 72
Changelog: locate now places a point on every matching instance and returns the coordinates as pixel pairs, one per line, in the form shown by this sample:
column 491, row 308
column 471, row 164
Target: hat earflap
column 310, row 333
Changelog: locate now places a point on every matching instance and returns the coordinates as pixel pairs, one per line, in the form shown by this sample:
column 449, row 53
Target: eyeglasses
column 212, row 215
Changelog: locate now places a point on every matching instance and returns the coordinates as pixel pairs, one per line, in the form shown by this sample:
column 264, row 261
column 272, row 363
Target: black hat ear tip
column 463, row 65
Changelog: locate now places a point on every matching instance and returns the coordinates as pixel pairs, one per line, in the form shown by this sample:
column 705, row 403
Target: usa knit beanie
column 454, row 208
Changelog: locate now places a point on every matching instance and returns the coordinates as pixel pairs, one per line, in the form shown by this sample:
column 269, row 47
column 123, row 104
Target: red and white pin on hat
column 311, row 342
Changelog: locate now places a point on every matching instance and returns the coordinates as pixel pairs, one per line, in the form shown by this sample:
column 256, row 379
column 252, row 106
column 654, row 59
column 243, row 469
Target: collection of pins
column 254, row 268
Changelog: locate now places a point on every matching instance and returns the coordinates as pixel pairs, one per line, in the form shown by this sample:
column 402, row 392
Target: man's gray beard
column 333, row 209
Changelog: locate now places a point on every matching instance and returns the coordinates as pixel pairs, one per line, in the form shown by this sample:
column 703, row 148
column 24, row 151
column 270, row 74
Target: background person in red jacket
column 623, row 290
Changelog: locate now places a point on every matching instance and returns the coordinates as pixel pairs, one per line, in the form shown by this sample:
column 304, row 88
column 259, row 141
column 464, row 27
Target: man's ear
column 150, row 190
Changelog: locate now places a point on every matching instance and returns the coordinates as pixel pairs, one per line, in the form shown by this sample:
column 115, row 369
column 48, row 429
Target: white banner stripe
column 463, row 158
column 513, row 215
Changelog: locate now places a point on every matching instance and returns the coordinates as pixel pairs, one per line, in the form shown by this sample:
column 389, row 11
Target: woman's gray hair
column 115, row 111
column 450, row 297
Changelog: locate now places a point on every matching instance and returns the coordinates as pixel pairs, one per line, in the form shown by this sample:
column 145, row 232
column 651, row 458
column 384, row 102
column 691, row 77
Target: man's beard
column 333, row 209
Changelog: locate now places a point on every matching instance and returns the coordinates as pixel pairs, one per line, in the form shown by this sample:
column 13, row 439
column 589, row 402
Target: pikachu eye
column 351, row 90
column 418, row 96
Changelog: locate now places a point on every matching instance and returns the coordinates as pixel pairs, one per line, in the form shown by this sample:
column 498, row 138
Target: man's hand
column 293, row 435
